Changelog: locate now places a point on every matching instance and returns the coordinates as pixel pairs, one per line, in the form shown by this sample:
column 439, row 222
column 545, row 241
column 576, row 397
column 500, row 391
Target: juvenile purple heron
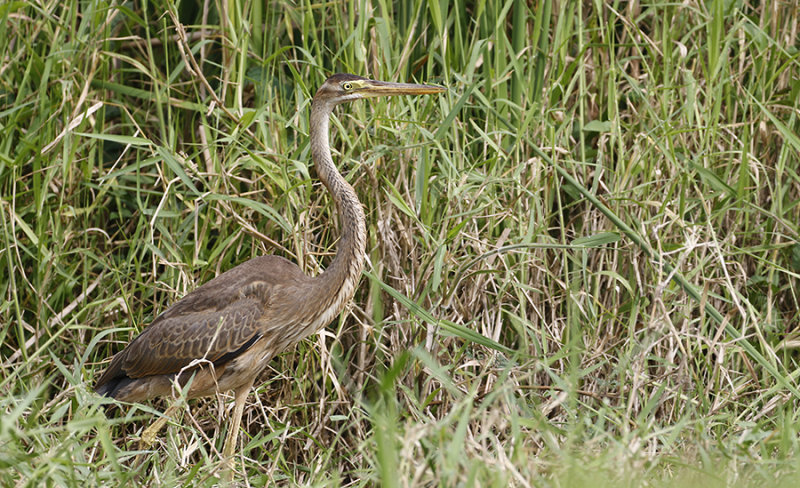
column 224, row 333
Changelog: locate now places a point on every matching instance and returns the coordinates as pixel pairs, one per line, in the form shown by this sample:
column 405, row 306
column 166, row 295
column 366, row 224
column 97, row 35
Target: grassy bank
column 584, row 258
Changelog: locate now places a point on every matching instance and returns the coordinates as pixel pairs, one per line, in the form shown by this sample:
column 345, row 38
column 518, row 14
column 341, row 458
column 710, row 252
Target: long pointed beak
column 385, row 88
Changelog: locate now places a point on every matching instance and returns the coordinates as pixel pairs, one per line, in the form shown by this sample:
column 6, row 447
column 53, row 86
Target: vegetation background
column 583, row 258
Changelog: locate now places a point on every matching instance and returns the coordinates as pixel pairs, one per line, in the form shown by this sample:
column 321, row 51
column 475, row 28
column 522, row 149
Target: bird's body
column 223, row 334
column 235, row 322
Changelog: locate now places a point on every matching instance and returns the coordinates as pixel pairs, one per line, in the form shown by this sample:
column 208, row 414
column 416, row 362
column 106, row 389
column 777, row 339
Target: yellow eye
column 347, row 86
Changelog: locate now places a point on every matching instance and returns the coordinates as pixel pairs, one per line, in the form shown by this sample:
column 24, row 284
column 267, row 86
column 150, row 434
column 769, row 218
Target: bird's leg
column 233, row 434
column 149, row 434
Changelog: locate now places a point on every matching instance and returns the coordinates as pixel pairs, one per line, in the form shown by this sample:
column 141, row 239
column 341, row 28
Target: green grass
column 584, row 258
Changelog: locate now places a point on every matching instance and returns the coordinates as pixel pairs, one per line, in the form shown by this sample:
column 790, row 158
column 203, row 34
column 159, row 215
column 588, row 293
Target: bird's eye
column 347, row 86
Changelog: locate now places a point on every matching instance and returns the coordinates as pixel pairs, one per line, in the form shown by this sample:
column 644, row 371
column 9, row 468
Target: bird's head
column 343, row 87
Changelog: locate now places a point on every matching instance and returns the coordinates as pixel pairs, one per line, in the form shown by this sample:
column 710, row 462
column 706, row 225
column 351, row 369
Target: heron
column 222, row 335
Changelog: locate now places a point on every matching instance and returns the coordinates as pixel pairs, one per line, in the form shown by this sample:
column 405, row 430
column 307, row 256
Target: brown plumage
column 224, row 322
column 224, row 333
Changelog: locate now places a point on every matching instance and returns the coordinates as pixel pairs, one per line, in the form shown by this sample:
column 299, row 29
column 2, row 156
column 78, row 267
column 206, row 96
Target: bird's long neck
column 337, row 284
